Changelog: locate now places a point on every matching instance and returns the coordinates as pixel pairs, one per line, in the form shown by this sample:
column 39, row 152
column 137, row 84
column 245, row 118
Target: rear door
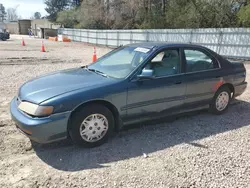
column 202, row 77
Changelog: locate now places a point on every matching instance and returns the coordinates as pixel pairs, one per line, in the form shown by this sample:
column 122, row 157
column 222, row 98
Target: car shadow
column 156, row 136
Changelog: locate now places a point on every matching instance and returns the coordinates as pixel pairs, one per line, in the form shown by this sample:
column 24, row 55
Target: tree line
column 149, row 14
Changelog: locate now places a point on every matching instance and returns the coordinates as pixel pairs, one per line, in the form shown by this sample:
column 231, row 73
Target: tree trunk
column 149, row 6
column 107, row 13
column 145, row 6
column 163, row 6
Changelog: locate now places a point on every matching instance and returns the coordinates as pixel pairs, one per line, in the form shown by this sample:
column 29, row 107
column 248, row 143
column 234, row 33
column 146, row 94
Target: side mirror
column 146, row 74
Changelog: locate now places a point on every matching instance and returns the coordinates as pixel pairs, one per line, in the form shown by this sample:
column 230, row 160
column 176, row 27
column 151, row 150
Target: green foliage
column 53, row 7
column 68, row 18
column 244, row 16
column 182, row 14
column 200, row 14
column 91, row 15
column 37, row 15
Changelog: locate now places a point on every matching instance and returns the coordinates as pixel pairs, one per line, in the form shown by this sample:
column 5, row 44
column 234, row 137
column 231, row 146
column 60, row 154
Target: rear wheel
column 221, row 101
column 91, row 126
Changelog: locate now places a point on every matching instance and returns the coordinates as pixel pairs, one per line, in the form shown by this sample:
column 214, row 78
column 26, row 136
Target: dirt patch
column 35, row 61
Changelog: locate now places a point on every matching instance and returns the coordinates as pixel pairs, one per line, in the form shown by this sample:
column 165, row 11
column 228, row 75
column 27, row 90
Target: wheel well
column 229, row 86
column 107, row 104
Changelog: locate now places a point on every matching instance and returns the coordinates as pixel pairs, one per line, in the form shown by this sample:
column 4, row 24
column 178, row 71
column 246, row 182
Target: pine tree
column 53, row 7
column 2, row 13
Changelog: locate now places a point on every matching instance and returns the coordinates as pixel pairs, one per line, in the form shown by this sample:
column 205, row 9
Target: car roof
column 163, row 44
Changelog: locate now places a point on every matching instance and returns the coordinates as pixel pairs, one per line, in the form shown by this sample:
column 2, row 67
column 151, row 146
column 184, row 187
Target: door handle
column 180, row 82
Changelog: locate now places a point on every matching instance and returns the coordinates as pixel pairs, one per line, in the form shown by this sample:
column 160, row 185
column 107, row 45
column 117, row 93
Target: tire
column 96, row 122
column 221, row 101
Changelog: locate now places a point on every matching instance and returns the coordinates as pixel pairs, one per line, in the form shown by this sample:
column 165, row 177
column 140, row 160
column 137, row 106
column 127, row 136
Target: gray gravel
column 197, row 150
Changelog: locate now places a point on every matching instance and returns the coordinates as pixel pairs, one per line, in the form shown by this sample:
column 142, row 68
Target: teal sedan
column 131, row 84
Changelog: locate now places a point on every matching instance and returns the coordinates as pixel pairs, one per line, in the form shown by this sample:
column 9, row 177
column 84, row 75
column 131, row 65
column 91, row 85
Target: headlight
column 35, row 110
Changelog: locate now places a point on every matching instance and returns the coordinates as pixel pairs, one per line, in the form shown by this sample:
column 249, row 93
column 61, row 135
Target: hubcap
column 94, row 127
column 222, row 101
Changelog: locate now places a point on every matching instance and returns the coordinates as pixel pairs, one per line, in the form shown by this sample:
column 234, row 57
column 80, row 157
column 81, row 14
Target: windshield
column 120, row 62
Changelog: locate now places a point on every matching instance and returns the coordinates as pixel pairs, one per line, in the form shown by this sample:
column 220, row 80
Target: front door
column 160, row 95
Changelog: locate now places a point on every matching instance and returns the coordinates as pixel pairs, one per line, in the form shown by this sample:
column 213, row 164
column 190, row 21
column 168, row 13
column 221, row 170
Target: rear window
column 199, row 61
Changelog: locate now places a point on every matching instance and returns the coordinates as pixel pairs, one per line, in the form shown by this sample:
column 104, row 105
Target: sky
column 26, row 8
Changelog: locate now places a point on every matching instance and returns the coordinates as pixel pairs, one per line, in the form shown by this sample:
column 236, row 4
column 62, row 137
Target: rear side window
column 199, row 61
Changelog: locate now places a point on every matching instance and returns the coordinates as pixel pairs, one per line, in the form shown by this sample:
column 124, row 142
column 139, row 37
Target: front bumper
column 41, row 130
column 239, row 89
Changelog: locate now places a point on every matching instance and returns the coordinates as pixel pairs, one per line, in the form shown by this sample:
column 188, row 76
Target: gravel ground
column 200, row 150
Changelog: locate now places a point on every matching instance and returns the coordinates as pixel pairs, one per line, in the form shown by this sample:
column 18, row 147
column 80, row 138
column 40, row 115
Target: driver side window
column 165, row 63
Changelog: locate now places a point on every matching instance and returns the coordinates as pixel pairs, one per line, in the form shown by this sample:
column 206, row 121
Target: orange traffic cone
column 23, row 43
column 43, row 47
column 94, row 56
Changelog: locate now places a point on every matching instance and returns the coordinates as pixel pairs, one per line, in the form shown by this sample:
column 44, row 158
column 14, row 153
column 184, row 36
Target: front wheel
column 91, row 125
column 221, row 101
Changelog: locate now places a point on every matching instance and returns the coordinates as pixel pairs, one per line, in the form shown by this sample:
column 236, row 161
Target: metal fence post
column 80, row 35
column 68, row 33
column 191, row 37
column 106, row 38
column 131, row 37
column 96, row 38
column 87, row 36
column 118, row 36
column 147, row 35
column 220, row 42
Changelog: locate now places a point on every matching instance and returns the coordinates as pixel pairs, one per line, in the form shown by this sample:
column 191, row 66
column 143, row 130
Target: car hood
column 51, row 85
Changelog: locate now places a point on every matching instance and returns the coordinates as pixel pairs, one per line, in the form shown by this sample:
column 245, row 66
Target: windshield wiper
column 96, row 71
